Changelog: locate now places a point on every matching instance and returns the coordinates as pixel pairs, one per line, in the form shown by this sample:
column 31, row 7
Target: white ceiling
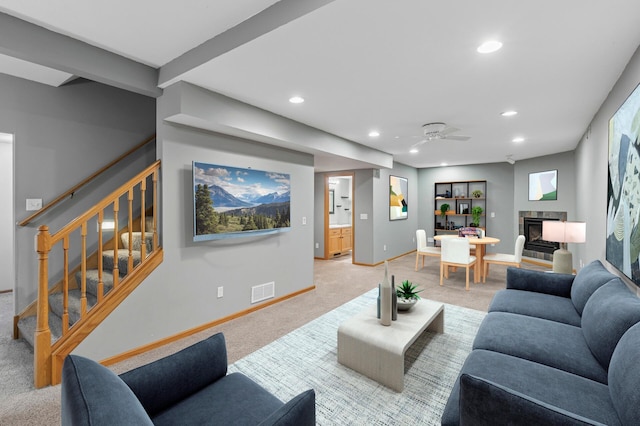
column 387, row 65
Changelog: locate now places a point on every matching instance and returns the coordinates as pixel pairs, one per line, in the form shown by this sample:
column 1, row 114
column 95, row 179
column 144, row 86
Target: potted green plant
column 476, row 193
column 444, row 208
column 407, row 294
column 476, row 212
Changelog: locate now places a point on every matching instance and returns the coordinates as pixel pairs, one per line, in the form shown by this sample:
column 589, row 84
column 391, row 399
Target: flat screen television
column 230, row 202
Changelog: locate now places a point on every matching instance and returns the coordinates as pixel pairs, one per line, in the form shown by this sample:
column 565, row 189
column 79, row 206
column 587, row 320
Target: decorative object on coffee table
column 385, row 297
column 394, row 299
column 407, row 294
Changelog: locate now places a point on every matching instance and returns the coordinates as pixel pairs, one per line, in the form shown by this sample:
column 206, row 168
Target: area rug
column 307, row 358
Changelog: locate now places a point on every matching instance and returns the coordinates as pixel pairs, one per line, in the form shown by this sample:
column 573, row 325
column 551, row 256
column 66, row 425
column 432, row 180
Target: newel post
column 42, row 340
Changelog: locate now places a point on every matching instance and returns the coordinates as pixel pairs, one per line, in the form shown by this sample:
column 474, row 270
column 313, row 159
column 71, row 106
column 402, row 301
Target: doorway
column 7, row 224
column 339, row 232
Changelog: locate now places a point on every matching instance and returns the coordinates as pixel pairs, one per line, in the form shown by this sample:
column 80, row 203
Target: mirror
column 331, row 202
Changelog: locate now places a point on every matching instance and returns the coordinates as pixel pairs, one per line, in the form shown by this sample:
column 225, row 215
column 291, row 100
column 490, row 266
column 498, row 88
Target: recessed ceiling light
column 509, row 113
column 518, row 139
column 296, row 99
column 489, row 46
column 444, row 164
column 374, row 134
column 414, row 150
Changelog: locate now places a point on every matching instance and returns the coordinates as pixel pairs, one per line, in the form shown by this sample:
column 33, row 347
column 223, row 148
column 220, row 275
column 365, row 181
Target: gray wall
column 500, row 198
column 398, row 235
column 591, row 165
column 61, row 136
column 182, row 292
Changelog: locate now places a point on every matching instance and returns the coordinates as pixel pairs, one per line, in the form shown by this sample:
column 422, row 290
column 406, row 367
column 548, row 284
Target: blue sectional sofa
column 190, row 387
column 554, row 349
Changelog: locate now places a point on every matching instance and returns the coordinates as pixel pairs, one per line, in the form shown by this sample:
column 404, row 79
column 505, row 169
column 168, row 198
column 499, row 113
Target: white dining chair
column 504, row 259
column 423, row 249
column 456, row 253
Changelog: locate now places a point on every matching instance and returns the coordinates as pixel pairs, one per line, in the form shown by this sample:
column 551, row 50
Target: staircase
column 68, row 309
column 27, row 325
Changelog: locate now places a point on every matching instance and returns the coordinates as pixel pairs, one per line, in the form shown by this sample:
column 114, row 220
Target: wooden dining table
column 481, row 246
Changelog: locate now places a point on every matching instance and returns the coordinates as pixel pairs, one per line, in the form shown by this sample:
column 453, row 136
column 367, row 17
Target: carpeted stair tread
column 136, row 238
column 92, row 281
column 55, row 303
column 123, row 260
column 27, row 327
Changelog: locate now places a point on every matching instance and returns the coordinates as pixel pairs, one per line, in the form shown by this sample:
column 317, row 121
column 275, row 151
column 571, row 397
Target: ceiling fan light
column 489, row 46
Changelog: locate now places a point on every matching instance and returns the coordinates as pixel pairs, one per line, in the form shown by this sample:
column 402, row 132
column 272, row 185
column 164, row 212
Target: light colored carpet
column 337, row 282
column 307, row 358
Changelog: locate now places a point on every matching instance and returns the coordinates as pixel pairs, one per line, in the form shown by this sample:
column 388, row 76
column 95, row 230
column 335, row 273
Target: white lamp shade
column 564, row 232
column 575, row 232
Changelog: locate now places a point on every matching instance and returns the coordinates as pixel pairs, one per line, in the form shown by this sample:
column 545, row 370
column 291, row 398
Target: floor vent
column 263, row 292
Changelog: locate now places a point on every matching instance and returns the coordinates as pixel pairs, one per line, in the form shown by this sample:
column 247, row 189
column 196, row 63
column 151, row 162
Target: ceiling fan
column 440, row 131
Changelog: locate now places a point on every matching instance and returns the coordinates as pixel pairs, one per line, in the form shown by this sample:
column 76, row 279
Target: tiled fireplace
column 530, row 225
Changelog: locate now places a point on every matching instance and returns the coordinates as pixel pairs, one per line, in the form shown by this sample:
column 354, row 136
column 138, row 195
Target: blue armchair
column 190, row 387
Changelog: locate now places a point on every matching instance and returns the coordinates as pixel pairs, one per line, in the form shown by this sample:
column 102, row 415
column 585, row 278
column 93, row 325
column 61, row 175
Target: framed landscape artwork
column 623, row 189
column 543, row 185
column 233, row 202
column 398, row 204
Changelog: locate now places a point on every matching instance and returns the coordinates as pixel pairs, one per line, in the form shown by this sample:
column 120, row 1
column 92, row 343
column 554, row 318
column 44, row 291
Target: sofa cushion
column 546, row 342
column 624, row 376
column 233, row 400
column 490, row 404
column 609, row 313
column 535, row 304
column 519, row 384
column 588, row 280
column 167, row 381
column 540, row 282
column 94, row 395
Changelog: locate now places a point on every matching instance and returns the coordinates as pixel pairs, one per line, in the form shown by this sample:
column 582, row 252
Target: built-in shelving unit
column 462, row 197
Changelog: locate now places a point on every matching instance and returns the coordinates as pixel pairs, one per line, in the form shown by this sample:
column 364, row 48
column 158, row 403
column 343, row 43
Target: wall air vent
column 263, row 292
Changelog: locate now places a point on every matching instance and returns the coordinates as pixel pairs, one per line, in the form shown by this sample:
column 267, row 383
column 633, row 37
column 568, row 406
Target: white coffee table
column 377, row 351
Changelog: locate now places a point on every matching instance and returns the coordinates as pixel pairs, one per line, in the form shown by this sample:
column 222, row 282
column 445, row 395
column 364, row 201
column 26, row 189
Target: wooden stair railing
column 49, row 358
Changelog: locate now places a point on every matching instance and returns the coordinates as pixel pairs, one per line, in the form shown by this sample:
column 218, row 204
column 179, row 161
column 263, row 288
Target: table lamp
column 563, row 232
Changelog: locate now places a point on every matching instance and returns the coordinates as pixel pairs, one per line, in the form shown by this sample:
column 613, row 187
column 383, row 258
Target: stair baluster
column 83, row 272
column 115, row 270
column 65, row 286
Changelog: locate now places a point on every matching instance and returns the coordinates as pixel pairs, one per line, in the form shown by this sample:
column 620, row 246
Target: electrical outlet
column 220, row 292
column 304, row 220
column 384, row 247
